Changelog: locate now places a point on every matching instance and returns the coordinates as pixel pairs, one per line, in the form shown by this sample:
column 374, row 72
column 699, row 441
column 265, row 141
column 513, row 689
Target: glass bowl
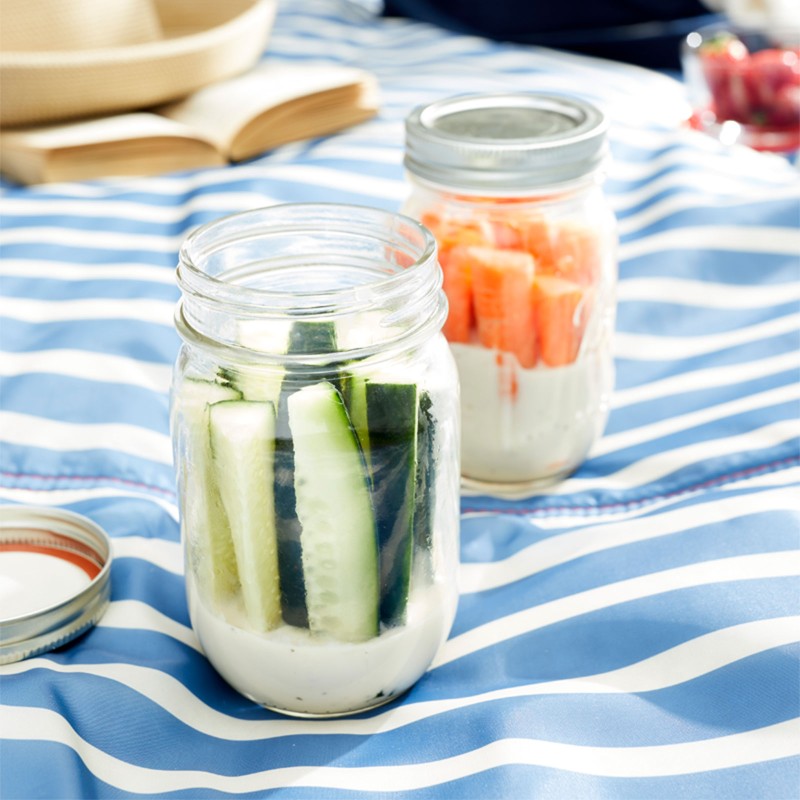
column 744, row 86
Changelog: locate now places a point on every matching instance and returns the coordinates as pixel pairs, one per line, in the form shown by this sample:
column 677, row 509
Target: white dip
column 541, row 433
column 289, row 670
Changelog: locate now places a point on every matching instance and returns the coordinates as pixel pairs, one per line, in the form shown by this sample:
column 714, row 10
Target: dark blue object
column 646, row 32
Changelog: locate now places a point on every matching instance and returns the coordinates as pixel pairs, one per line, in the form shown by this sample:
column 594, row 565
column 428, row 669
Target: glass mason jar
column 510, row 185
column 315, row 422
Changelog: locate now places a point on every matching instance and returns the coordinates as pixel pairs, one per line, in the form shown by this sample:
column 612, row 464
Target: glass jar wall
column 510, row 185
column 315, row 421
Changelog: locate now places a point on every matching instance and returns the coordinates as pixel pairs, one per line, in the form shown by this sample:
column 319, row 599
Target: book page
column 126, row 144
column 310, row 116
column 223, row 109
column 121, row 127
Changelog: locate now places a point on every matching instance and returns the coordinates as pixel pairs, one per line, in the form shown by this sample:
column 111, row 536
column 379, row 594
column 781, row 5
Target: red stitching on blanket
column 629, row 504
column 84, row 479
column 729, row 477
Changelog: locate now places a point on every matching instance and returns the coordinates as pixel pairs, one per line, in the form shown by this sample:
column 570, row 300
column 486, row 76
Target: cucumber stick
column 339, row 538
column 304, row 338
column 312, row 337
column 256, row 385
column 293, row 592
column 385, row 415
column 204, row 521
column 356, row 402
column 242, row 443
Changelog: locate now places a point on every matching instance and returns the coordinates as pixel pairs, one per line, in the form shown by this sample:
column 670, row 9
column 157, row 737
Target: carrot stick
column 562, row 311
column 502, row 281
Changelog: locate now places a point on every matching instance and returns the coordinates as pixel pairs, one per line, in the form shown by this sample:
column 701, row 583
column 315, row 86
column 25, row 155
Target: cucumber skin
column 392, row 429
column 305, row 338
column 293, row 603
column 257, row 386
column 355, row 399
column 425, row 494
column 339, row 536
column 401, row 480
column 289, row 529
column 312, row 338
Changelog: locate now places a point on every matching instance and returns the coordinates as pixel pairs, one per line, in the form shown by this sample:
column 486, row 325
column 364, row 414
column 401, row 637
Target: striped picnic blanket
column 631, row 633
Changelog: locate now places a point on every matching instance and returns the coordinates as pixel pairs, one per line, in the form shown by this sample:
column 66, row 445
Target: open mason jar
column 511, row 187
column 315, row 422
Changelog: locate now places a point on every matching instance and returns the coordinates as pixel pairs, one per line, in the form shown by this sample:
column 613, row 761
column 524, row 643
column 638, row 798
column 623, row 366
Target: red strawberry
column 786, row 107
column 771, row 71
column 724, row 60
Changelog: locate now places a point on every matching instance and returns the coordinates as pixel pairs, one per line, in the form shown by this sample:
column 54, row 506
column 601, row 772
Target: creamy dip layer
column 288, row 669
column 529, row 424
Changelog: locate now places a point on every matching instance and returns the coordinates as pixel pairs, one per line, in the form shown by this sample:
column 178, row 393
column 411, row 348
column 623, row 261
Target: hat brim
column 202, row 42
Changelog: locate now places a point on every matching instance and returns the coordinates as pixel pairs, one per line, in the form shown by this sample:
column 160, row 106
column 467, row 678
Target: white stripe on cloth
column 781, row 740
column 27, row 430
column 631, row 437
column 545, row 554
column 49, row 496
column 89, row 366
column 708, row 378
column 649, row 347
column 678, row 665
column 158, row 312
column 736, row 568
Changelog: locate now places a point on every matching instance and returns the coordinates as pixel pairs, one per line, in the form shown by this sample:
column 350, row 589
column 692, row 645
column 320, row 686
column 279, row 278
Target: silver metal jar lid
column 54, row 578
column 494, row 142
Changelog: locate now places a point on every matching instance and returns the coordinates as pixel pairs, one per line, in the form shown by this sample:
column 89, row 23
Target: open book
column 231, row 120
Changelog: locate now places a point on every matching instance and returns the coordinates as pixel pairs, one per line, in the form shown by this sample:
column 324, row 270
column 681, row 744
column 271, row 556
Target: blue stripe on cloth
column 717, row 266
column 130, row 516
column 139, row 340
column 772, row 778
column 53, row 289
column 113, row 402
column 30, row 466
column 507, row 533
column 668, row 715
column 722, row 540
column 672, row 319
column 687, row 401
column 87, row 255
column 639, row 372
column 612, row 637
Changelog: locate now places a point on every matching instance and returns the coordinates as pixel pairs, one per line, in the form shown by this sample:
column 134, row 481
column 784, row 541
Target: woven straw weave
column 73, row 58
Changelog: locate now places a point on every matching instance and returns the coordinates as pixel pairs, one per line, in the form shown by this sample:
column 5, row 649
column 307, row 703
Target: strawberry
column 776, row 77
column 786, row 108
column 724, row 59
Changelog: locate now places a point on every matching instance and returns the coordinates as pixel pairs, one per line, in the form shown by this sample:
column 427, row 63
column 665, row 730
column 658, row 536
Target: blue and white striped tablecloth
column 632, row 633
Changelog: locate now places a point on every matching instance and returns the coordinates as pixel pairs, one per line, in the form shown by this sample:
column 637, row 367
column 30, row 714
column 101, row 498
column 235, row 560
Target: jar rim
column 271, row 268
column 315, row 217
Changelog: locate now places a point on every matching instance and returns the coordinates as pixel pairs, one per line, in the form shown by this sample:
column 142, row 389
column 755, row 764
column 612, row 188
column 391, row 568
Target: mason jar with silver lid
column 511, row 187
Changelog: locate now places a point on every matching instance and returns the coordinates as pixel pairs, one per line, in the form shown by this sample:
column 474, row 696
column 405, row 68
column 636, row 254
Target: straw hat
column 61, row 59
